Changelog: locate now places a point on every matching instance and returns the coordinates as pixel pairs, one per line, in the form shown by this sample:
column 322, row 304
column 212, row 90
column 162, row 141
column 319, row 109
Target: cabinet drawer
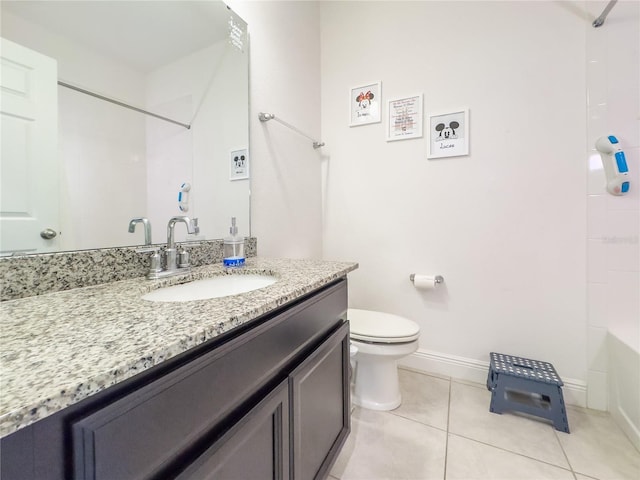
column 140, row 435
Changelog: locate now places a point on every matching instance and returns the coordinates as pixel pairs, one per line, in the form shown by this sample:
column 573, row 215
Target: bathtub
column 624, row 382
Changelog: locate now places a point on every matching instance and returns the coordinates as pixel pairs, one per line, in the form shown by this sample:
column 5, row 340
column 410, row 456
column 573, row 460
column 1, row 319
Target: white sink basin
column 214, row 287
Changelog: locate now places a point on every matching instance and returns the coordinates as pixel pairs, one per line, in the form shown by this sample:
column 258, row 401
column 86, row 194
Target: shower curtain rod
column 116, row 102
column 600, row 20
column 265, row 117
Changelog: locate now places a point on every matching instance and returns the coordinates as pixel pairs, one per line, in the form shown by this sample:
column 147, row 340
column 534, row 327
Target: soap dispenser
column 233, row 247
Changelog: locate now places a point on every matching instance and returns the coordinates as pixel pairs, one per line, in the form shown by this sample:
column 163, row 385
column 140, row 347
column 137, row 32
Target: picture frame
column 365, row 104
column 404, row 118
column 239, row 164
column 448, row 133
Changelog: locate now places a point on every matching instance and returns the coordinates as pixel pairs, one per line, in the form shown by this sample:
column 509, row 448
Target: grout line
column 516, row 453
column 585, row 476
column 555, row 432
column 419, row 422
column 469, row 383
column 422, row 372
column 446, row 442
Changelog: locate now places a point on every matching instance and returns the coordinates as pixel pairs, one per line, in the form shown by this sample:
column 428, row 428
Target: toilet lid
column 380, row 327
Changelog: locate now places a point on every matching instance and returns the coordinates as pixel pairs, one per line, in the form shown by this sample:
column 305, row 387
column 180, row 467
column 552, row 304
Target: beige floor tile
column 597, row 447
column 471, row 383
column 425, row 399
column 469, row 416
column 422, row 372
column 407, row 444
column 468, row 459
column 383, row 446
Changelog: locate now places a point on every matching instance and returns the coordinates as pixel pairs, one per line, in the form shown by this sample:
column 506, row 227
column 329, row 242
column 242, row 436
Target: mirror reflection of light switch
column 239, row 164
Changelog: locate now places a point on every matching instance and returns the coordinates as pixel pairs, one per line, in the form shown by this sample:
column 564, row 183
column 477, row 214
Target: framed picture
column 239, row 164
column 364, row 104
column 404, row 118
column 449, row 134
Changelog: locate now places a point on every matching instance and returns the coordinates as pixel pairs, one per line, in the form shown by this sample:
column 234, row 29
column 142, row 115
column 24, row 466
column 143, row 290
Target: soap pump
column 233, row 247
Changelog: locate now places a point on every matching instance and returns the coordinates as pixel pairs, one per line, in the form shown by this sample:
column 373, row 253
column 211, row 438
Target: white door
column 29, row 137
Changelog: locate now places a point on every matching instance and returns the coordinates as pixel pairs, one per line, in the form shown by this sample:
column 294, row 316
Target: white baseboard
column 575, row 391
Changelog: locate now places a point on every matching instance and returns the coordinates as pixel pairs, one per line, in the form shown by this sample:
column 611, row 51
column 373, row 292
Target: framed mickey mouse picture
column 449, row 134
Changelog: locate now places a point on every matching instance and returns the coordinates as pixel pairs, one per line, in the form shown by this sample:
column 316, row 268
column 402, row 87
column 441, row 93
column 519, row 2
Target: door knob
column 48, row 233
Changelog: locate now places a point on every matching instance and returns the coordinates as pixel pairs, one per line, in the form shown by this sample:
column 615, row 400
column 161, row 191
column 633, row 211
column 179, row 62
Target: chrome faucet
column 174, row 263
column 147, row 228
column 171, row 254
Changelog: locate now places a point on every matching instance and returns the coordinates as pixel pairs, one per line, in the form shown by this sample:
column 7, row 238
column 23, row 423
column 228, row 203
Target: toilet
column 381, row 339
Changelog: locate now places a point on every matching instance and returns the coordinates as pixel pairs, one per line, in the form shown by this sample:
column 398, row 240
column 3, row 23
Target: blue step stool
column 529, row 386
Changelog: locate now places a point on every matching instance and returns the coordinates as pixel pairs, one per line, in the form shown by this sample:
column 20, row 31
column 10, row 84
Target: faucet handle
column 196, row 227
column 183, row 256
column 183, row 259
column 155, row 262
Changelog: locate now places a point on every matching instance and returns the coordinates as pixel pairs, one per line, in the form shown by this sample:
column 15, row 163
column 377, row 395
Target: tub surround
column 624, row 383
column 28, row 275
column 59, row 348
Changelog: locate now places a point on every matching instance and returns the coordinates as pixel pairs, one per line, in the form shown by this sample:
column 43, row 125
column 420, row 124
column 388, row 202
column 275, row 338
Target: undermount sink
column 214, row 287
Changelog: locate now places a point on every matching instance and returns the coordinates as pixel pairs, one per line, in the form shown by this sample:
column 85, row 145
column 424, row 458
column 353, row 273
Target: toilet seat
column 379, row 327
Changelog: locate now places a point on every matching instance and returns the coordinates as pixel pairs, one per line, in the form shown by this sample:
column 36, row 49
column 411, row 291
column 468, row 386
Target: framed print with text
column 404, row 118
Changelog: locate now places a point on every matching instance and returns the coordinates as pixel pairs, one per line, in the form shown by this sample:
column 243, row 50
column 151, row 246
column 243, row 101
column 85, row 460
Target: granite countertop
column 59, row 348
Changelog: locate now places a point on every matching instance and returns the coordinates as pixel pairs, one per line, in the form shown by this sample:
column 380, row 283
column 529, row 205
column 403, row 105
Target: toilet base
column 377, row 386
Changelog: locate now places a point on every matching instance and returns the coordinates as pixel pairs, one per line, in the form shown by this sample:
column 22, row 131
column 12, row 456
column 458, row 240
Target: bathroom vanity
column 250, row 386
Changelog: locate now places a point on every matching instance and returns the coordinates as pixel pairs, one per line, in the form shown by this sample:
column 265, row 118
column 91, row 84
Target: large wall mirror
column 81, row 158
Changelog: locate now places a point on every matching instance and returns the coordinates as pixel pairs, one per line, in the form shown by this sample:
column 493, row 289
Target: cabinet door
column 320, row 400
column 257, row 447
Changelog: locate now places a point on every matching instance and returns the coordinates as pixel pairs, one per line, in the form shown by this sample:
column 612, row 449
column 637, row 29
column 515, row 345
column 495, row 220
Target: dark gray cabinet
column 267, row 401
column 296, row 432
column 256, row 447
column 319, row 428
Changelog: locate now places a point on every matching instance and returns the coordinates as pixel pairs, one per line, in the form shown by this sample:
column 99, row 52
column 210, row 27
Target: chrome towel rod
column 265, row 117
column 600, row 20
column 121, row 104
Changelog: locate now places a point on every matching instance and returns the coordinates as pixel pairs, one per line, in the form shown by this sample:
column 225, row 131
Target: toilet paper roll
column 424, row 282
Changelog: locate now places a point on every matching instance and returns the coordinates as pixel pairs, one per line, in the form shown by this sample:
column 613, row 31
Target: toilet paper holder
column 437, row 278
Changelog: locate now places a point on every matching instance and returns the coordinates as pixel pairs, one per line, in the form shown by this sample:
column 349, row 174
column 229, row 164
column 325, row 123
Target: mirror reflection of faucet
column 175, row 263
column 147, row 228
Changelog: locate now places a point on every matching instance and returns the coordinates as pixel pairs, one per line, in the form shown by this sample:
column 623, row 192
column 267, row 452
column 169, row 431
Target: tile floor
column 444, row 430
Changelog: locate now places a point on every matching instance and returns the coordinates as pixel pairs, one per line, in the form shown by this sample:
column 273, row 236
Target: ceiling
column 144, row 34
